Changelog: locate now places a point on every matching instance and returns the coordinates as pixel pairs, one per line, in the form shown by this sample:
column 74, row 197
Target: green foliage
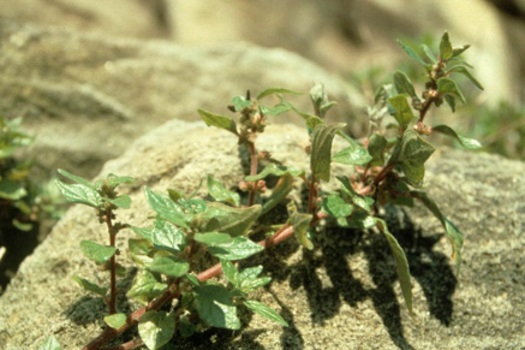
column 386, row 168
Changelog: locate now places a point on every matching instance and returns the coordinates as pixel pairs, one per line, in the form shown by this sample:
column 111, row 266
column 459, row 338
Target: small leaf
column 459, row 50
column 220, row 193
column 156, row 328
column 403, row 84
column 113, row 180
column 12, row 190
column 228, row 248
column 140, row 250
column 355, row 154
column 165, row 207
column 167, row 236
column 240, row 103
column 447, row 86
column 411, row 53
column 279, row 193
column 399, row 107
column 276, row 91
column 168, row 266
column 51, row 343
column 215, row 306
column 402, row 268
column 115, row 321
column 146, row 287
column 212, row 238
column 445, row 48
column 230, row 272
column 235, row 221
column 75, row 178
column 249, row 280
column 79, row 193
column 301, row 226
column 376, row 148
column 278, row 109
column 265, row 311
column 97, row 252
column 320, row 157
column 143, row 232
column 219, row 121
column 465, row 142
column 429, row 53
column 276, row 170
column 336, row 206
column 414, row 153
column 463, row 70
column 90, row 286
column 123, row 201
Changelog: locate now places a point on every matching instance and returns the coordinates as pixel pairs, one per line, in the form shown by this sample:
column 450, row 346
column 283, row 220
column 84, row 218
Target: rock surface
column 342, row 296
column 87, row 97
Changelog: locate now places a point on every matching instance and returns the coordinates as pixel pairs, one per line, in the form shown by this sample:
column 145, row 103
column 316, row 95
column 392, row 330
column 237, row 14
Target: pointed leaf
column 278, row 109
column 445, row 48
column 115, row 321
column 240, row 103
column 113, row 180
column 123, row 201
column 429, row 53
column 399, row 107
column 219, row 121
column 276, row 170
column 277, row 91
column 215, row 306
column 410, row 52
column 279, row 193
column 90, row 286
column 97, row 252
column 236, row 249
column 320, row 157
column 376, row 148
column 414, row 153
column 403, row 84
column 465, row 142
column 265, row 311
column 355, row 154
column 165, row 207
column 249, row 280
column 336, row 206
column 167, row 236
column 140, row 250
column 220, row 193
column 301, row 226
column 12, row 190
column 235, row 221
column 463, row 70
column 79, row 193
column 402, row 268
column 75, row 178
column 447, row 86
column 51, row 343
column 230, row 272
column 168, row 266
column 156, row 328
column 456, row 51
column 213, row 238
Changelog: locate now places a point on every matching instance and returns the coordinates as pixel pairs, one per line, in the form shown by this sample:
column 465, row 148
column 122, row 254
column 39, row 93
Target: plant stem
column 253, row 172
column 112, row 264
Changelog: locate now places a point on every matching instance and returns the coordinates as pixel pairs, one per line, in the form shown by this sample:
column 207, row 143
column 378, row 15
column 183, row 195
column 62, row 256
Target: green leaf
column 168, row 266
column 429, row 53
column 278, row 109
column 320, row 158
column 376, row 148
column 279, row 193
column 414, row 153
column 456, row 51
column 79, row 193
column 276, row 91
column 12, row 190
column 276, row 170
column 402, row 268
column 412, row 54
column 301, row 226
column 399, row 107
column 265, row 311
column 76, row 179
column 215, row 306
column 463, row 70
column 445, row 48
column 156, row 328
column 228, row 248
column 336, row 206
column 97, row 252
column 115, row 321
column 123, row 201
column 320, row 100
column 219, row 121
column 249, row 280
column 165, row 207
column 113, row 180
column 403, row 84
column 167, row 236
column 451, row 101
column 220, row 193
column 360, row 201
column 146, row 287
column 447, row 86
column 235, row 221
column 230, row 272
column 454, row 235
column 240, row 103
column 465, row 142
column 50, row 344
column 355, row 154
column 140, row 250
column 143, row 232
column 90, row 286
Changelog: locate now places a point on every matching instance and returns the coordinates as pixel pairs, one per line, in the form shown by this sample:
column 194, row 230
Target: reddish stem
column 253, row 172
column 112, row 266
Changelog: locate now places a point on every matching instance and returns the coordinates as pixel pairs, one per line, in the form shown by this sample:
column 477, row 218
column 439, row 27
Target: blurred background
column 353, row 38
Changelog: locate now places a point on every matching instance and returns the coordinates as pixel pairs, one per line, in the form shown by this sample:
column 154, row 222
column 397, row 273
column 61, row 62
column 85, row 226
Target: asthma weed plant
column 386, row 167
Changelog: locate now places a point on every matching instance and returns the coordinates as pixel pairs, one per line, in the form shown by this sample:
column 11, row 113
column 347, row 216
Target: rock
column 345, row 294
column 87, row 97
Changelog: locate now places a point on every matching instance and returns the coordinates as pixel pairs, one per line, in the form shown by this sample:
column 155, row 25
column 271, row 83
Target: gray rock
column 87, row 97
column 342, row 296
